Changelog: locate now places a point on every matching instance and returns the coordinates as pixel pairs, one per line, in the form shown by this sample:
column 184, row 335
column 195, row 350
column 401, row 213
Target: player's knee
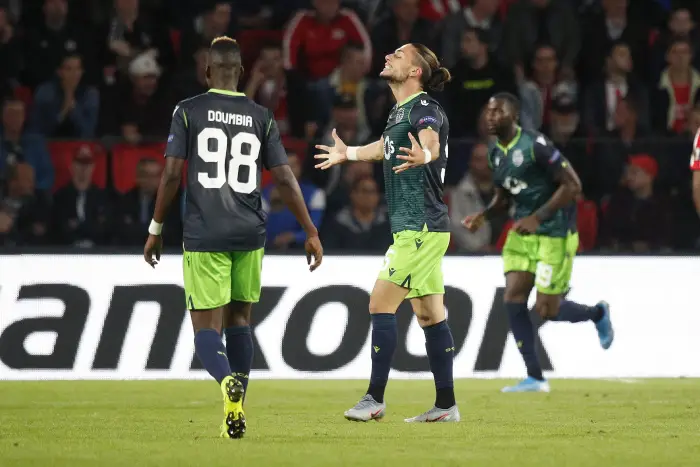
column 375, row 307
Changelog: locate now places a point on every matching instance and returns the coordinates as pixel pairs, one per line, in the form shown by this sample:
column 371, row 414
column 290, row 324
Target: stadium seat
column 125, row 158
column 62, row 153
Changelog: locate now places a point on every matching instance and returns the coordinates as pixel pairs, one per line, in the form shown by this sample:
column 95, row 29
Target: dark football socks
column 384, row 337
column 440, row 348
column 524, row 334
column 211, row 352
column 573, row 312
column 239, row 349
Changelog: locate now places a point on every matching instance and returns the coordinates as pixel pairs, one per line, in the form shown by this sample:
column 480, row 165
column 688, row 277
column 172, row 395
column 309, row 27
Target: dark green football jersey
column 527, row 169
column 414, row 197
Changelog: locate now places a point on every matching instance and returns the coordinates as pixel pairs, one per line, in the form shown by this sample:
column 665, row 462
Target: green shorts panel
column 215, row 279
column 414, row 261
column 550, row 259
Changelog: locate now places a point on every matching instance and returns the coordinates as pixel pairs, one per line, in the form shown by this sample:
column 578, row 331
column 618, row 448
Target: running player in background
column 540, row 249
column 413, row 174
column 695, row 167
column 226, row 140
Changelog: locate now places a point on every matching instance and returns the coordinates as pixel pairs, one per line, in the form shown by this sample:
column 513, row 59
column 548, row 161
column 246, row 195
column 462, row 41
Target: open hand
column 414, row 157
column 336, row 154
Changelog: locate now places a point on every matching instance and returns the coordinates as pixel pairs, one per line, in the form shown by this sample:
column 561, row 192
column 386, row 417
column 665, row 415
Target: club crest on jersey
column 399, row 115
column 518, row 158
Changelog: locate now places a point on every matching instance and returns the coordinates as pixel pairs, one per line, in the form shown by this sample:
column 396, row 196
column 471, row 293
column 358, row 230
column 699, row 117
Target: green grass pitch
column 300, row 423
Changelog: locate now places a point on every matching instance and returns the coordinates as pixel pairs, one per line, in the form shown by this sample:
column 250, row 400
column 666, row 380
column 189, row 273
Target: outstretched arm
column 340, row 152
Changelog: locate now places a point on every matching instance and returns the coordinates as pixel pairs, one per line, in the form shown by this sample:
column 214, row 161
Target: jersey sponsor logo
column 229, row 118
column 518, row 158
column 400, row 114
column 428, row 119
column 389, row 148
column 513, row 185
column 68, row 323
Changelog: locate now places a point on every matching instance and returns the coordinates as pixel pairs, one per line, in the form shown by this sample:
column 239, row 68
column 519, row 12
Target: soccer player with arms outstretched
column 540, row 249
column 413, row 150
column 226, row 139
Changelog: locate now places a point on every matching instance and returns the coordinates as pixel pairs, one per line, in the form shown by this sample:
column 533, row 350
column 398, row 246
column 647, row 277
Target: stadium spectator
column 136, row 208
column 605, row 27
column 23, row 215
column 80, row 213
column 349, row 78
column 265, row 14
column 677, row 91
column 614, row 147
column 127, row 35
column 637, row 220
column 141, row 110
column 603, row 97
column 480, row 15
column 475, row 78
column 283, row 92
column 49, row 41
column 66, row 107
column 193, row 80
column 215, row 21
column 473, row 194
column 532, row 22
column 565, row 131
column 339, row 186
column 10, row 54
column 17, row 145
column 545, row 68
column 344, row 122
column 680, row 25
column 283, row 230
column 363, row 225
column 401, row 26
column 437, row 10
column 314, row 39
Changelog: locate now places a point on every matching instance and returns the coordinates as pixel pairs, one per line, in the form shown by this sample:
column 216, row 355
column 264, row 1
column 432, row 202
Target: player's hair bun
column 438, row 78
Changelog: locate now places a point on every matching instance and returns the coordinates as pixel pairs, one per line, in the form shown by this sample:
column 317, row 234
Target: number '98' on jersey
column 226, row 139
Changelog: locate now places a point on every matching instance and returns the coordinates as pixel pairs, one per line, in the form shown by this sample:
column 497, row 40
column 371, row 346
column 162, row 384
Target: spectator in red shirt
column 678, row 87
column 314, row 40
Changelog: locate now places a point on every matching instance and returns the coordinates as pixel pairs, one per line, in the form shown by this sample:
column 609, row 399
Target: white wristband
column 351, row 153
column 428, row 156
column 155, row 228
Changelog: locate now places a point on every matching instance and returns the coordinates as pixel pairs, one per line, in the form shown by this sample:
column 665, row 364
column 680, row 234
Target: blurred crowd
column 88, row 88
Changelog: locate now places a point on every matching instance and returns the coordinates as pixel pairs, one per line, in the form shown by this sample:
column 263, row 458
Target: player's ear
column 207, row 72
